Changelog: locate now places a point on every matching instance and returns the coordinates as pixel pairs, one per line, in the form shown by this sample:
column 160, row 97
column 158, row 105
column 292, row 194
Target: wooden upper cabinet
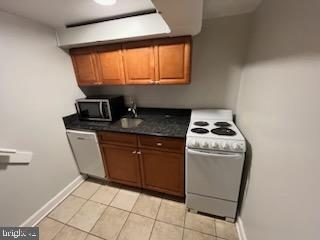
column 173, row 58
column 84, row 63
column 139, row 62
column 110, row 65
column 159, row 61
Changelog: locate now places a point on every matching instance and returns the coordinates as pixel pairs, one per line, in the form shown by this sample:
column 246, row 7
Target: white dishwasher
column 85, row 148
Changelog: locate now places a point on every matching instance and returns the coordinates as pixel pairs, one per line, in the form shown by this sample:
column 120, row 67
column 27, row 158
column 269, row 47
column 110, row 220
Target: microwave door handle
column 78, row 108
column 101, row 110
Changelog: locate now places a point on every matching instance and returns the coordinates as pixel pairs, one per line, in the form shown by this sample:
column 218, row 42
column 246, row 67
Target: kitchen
column 257, row 59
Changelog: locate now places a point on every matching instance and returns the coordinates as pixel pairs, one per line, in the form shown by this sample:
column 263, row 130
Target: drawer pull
column 139, row 152
column 134, row 152
column 159, row 144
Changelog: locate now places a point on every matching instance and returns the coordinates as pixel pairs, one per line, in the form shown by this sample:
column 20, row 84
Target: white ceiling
column 58, row 13
column 219, row 8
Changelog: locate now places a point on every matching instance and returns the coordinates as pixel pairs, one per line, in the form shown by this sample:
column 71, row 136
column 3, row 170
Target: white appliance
column 87, row 153
column 215, row 151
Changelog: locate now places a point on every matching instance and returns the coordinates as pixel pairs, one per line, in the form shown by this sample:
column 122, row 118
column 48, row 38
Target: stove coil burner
column 201, row 123
column 222, row 124
column 199, row 130
column 223, row 131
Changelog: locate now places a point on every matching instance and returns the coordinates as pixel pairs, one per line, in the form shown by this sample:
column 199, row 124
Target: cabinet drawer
column 122, row 139
column 162, row 143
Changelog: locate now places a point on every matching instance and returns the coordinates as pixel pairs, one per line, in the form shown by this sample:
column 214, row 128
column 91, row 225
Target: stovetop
column 214, row 130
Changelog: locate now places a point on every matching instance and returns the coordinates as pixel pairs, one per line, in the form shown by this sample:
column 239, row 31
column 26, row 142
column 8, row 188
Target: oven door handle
column 214, row 154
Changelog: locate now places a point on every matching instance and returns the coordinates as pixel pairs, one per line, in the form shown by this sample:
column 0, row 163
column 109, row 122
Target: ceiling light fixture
column 106, row 2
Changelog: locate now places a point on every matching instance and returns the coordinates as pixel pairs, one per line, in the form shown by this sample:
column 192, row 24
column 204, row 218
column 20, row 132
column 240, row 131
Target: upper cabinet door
column 173, row 60
column 84, row 64
column 139, row 62
column 110, row 65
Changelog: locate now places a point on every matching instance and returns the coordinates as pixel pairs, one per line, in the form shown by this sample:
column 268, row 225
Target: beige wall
column 279, row 114
column 218, row 54
column 37, row 88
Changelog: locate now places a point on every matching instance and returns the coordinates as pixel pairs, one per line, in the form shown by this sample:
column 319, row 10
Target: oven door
column 214, row 174
column 90, row 110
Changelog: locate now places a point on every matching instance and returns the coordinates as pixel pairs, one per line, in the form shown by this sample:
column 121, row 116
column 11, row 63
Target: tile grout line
column 66, row 224
column 130, row 212
column 127, row 217
column 122, row 226
column 155, row 220
column 184, row 222
column 87, row 200
column 107, row 206
column 215, row 229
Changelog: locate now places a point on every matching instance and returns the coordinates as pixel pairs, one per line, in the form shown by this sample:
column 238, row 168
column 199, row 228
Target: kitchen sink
column 130, row 122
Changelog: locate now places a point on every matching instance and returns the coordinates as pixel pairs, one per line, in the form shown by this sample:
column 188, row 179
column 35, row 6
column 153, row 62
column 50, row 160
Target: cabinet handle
column 139, row 152
column 134, row 152
column 159, row 144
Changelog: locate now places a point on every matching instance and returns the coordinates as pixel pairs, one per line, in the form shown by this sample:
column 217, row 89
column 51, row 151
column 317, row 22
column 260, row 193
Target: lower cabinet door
column 163, row 171
column 122, row 164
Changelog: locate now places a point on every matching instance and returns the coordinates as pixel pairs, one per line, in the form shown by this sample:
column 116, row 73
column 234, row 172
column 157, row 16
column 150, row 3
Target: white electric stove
column 215, row 150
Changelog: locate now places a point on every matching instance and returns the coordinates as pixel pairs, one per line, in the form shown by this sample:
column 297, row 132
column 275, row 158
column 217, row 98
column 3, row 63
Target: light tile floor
column 100, row 211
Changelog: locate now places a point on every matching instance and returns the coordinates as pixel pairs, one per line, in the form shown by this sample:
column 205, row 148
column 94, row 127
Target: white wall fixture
column 136, row 27
column 106, row 2
column 8, row 156
column 59, row 13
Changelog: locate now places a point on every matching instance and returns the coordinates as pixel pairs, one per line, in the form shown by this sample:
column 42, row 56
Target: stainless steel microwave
column 101, row 108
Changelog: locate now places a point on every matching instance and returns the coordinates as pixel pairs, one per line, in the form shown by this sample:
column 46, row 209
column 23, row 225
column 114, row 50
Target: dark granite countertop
column 156, row 122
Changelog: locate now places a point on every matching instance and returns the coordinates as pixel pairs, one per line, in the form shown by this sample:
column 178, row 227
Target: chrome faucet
column 133, row 109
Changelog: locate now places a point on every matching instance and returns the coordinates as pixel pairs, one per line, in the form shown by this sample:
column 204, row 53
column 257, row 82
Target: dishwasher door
column 85, row 148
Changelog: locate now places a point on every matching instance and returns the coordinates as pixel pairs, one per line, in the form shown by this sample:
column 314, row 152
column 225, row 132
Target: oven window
column 89, row 109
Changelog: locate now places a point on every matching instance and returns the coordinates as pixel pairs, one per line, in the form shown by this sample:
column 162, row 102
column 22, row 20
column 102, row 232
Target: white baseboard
column 240, row 229
column 52, row 203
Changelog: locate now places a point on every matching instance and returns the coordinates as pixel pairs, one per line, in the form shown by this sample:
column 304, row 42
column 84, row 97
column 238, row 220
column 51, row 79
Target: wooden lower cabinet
column 150, row 162
column 162, row 171
column 122, row 164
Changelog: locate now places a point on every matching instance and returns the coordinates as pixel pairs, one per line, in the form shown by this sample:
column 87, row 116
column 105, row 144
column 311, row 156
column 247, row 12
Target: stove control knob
column 196, row 144
column 205, row 145
column 235, row 146
column 215, row 145
column 225, row 145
